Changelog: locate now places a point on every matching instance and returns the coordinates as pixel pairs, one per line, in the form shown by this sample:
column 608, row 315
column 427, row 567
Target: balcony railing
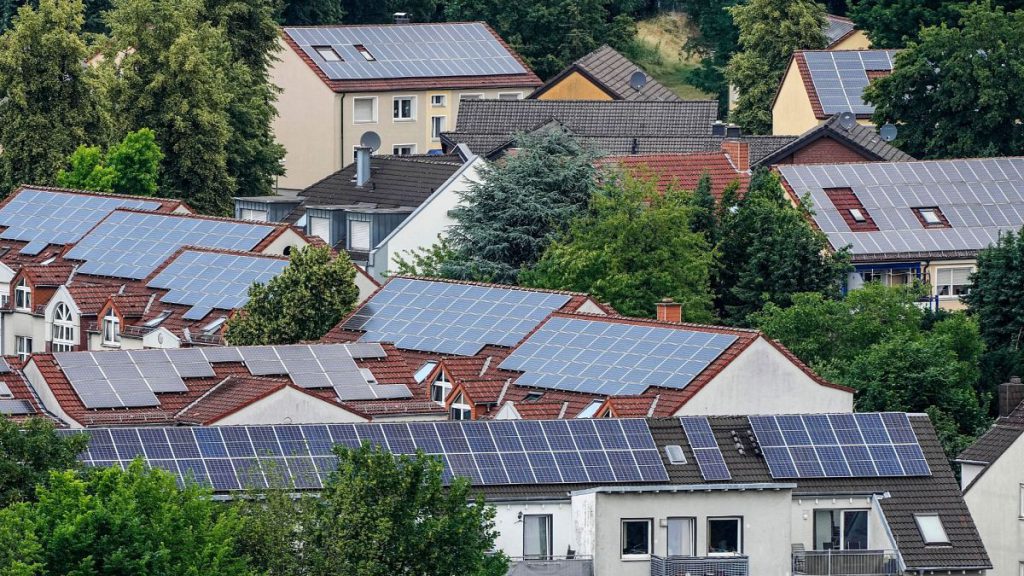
column 552, row 565
column 846, row 563
column 700, row 566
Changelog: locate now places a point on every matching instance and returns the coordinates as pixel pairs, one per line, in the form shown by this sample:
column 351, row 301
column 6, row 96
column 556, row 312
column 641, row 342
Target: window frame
column 365, row 52
column 459, row 408
column 739, row 534
column 549, row 523
column 438, row 100
column 373, row 109
column 941, row 527
column 112, row 321
column 369, row 235
column 622, row 538
column 62, row 329
column 843, row 538
column 251, row 211
column 435, row 135
column 441, row 382
column 23, row 347
column 858, row 216
column 321, row 49
column 952, row 294
column 23, row 295
column 394, row 111
column 309, row 227
column 503, row 95
column 395, row 147
column 693, row 535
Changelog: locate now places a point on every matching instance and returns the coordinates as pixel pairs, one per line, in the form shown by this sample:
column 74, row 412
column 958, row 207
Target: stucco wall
column 792, row 114
column 948, row 302
column 803, row 519
column 510, row 527
column 289, row 406
column 42, row 389
column 856, row 41
column 995, row 503
column 575, row 86
column 20, row 323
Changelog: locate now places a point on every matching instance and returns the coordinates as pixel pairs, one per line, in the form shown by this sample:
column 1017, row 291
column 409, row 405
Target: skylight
column 930, row 216
column 424, row 371
column 930, row 526
column 533, row 396
column 364, row 53
column 328, row 53
column 213, row 326
column 591, row 409
column 675, row 454
column 857, row 215
column 154, row 322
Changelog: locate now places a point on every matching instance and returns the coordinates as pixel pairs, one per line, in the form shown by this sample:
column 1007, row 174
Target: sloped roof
column 834, row 79
column 837, row 29
column 991, row 445
column 864, row 139
column 683, row 171
column 612, row 71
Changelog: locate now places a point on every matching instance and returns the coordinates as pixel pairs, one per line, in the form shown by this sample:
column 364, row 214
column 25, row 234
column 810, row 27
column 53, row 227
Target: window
column 437, row 125
column 437, row 100
column 320, row 226
column 840, row 529
column 111, row 328
column 364, row 110
column 158, row 319
column 537, row 536
column 725, row 536
column 675, row 454
column 636, row 538
column 931, row 217
column 591, row 409
column 212, row 327
column 533, row 396
column 857, row 215
column 510, row 95
column 364, row 53
column 253, row 214
column 460, row 410
column 952, row 281
column 682, row 537
column 471, row 96
column 23, row 295
column 424, row 371
column 24, row 346
column 930, row 526
column 440, row 388
column 403, row 149
column 404, row 108
column 63, row 329
column 328, row 53
column 358, row 235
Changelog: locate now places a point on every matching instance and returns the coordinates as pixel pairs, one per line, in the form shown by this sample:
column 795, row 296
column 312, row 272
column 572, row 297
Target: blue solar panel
column 230, row 457
column 839, row 78
column 840, row 445
column 451, row 318
column 705, row 448
column 132, row 245
column 611, row 358
column 43, row 217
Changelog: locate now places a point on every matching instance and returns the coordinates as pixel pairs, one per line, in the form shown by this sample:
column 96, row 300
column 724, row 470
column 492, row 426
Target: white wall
column 995, row 503
column 19, row 323
column 510, row 527
column 803, row 519
column 61, row 296
column 761, row 380
column 289, row 406
column 42, row 389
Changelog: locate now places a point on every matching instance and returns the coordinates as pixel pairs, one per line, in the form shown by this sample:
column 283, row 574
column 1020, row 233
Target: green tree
column 300, row 304
column 958, row 92
column 507, row 220
column 893, row 23
column 129, row 167
column 47, row 96
column 704, row 217
column 428, row 261
column 312, row 12
column 632, row 248
column 87, row 171
column 715, row 43
column 996, row 296
column 28, row 452
column 382, row 11
column 769, row 32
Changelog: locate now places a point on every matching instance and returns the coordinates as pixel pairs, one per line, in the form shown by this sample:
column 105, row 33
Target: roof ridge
column 656, row 322
column 485, row 285
column 140, row 198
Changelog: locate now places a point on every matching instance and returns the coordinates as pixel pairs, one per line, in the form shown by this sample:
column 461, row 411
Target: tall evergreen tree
column 47, row 97
column 996, row 296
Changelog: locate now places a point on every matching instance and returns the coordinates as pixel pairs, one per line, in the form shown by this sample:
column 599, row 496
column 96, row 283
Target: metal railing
column 700, row 566
column 846, row 563
column 551, row 565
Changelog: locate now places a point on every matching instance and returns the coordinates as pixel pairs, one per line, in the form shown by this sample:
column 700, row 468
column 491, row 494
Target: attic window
column 328, row 53
column 533, row 396
column 364, row 53
column 931, row 217
column 674, row 453
column 154, row 322
column 591, row 409
column 215, row 325
column 424, row 371
column 850, row 208
column 930, row 527
column 857, row 215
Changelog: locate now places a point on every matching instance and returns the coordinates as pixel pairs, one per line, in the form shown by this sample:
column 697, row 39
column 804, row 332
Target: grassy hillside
column 659, row 51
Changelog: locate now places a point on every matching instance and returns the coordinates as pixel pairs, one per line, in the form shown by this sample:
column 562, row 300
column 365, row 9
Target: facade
column 604, row 74
column 842, row 34
column 402, row 82
column 834, row 143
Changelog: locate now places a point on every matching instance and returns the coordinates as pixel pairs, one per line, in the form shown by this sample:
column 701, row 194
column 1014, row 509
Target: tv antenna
column 888, row 132
column 370, row 140
column 637, row 80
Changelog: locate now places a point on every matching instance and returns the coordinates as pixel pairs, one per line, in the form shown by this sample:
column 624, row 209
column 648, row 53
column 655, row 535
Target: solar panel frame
column 209, row 280
column 705, row 448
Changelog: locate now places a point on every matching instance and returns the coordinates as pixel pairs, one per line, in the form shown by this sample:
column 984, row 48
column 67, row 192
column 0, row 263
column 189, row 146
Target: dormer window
column 111, row 329
column 857, row 215
column 63, row 339
column 931, row 217
column 440, row 388
column 364, row 53
column 328, row 53
column 460, row 410
column 212, row 327
column 424, row 371
column 23, row 295
column 931, row 529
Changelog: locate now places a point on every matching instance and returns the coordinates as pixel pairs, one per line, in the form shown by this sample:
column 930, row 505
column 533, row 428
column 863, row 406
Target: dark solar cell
column 705, row 448
column 43, row 217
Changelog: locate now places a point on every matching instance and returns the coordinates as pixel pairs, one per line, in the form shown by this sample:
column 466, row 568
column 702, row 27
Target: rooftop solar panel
column 450, row 318
column 612, row 358
column 12, row 407
column 132, row 245
column 705, row 448
column 839, row 77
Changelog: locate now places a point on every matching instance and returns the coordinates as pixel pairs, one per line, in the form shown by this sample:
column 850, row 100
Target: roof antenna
column 637, row 80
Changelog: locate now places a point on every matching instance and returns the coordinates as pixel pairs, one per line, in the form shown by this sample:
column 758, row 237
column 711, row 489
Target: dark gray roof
column 993, row 443
column 394, row 181
column 613, row 71
column 837, row 28
column 862, row 138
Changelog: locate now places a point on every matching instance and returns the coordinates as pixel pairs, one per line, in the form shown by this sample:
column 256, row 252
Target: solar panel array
column 840, row 445
column 496, row 452
column 979, row 197
column 421, row 51
column 449, row 318
column 132, row 378
column 208, row 280
column 612, row 358
column 132, row 245
column 705, row 448
column 43, row 217
column 11, row 407
column 839, row 77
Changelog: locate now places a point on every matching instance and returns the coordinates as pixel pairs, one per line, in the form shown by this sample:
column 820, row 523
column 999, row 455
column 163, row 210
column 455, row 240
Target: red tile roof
column 53, row 274
column 21, row 390
column 812, row 93
column 683, row 171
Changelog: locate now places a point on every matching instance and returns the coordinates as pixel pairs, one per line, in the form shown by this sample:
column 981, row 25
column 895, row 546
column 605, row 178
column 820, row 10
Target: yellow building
column 843, row 35
column 604, row 74
column 401, row 82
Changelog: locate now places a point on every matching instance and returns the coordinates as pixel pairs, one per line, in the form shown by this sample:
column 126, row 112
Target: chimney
column 1011, row 394
column 733, row 131
column 718, row 129
column 669, row 311
column 362, row 165
column 402, row 18
column 738, row 152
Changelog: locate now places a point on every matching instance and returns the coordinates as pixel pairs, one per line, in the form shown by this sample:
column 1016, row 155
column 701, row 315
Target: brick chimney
column 1011, row 394
column 738, row 152
column 669, row 311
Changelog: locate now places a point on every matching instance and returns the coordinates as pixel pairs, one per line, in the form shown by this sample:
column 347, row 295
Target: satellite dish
column 888, row 132
column 638, row 80
column 847, row 120
column 371, row 140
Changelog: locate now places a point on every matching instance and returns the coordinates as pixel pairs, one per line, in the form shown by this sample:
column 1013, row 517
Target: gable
column 576, row 85
column 289, row 406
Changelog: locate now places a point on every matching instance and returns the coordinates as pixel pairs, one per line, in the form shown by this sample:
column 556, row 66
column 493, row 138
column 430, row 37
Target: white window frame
column 622, row 538
column 369, row 235
column 395, row 149
column 332, row 54
column 842, row 526
column 311, row 232
column 547, row 521
column 438, row 100
column 692, row 521
column 23, row 346
column 254, row 214
column 111, row 328
column 858, row 216
column 949, row 285
column 442, row 384
column 505, row 95
column 23, row 295
column 365, row 52
column 921, row 528
column 63, row 329
column 373, row 109
column 739, row 534
column 412, row 109
column 459, row 410
column 471, row 96
column 435, row 134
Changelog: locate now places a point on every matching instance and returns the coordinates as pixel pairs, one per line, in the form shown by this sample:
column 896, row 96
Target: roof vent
column 368, row 376
column 674, row 453
column 718, row 129
column 402, row 18
column 733, row 131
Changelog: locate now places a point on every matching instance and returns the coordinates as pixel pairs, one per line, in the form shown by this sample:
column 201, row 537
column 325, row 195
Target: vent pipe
column 362, row 165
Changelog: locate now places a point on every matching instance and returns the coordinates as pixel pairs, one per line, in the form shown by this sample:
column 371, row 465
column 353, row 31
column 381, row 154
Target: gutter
column 740, row 487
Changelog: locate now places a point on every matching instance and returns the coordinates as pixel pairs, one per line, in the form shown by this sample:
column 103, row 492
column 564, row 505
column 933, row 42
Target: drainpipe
column 341, row 129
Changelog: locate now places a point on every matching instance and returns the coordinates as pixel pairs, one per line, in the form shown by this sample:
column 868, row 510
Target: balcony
column 700, row 566
column 552, row 566
column 845, row 562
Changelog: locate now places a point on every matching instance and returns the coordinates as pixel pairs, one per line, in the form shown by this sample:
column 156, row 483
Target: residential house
column 832, row 143
column 500, row 352
column 220, row 386
column 993, row 482
column 378, row 210
column 604, row 74
column 684, row 171
column 839, row 494
column 403, row 83
column 18, row 401
column 913, row 221
column 821, row 83
column 842, row 34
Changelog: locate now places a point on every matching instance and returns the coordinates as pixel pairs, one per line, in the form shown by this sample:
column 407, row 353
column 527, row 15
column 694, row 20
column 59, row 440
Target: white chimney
column 362, row 165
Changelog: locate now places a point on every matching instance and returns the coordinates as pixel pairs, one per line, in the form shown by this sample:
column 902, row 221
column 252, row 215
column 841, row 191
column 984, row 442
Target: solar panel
column 840, row 445
column 451, row 318
column 489, row 453
column 12, row 407
column 705, row 448
column 431, row 50
column 839, row 78
column 208, row 280
column 612, row 358
column 43, row 217
column 132, row 245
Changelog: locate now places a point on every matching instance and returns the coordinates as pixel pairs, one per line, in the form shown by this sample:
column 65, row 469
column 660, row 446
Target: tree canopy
column 996, row 295
column 130, row 167
column 28, row 452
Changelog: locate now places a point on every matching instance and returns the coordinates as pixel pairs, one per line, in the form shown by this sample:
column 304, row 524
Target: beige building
column 842, row 34
column 401, row 82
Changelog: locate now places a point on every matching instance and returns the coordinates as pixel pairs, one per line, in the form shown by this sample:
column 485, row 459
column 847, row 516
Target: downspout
column 341, row 129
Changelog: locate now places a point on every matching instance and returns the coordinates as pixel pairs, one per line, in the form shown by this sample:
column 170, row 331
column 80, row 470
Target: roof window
column 424, row 371
column 931, row 217
column 328, row 53
column 930, row 526
column 533, row 396
column 591, row 409
column 154, row 322
column 364, row 53
column 674, row 453
column 857, row 215
column 215, row 325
